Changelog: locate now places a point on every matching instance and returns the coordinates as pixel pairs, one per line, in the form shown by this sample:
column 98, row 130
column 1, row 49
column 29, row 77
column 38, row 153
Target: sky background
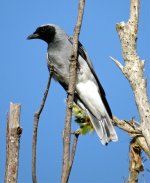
column 24, row 74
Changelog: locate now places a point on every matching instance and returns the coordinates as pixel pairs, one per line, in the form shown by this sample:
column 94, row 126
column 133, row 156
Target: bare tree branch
column 71, row 90
column 117, row 63
column 36, row 121
column 133, row 69
column 74, row 145
column 137, row 144
column 134, row 72
column 134, row 131
column 13, row 142
column 7, row 140
column 128, row 126
column 136, row 165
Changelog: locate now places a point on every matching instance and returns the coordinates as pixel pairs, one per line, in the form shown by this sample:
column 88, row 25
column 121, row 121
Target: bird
column 89, row 93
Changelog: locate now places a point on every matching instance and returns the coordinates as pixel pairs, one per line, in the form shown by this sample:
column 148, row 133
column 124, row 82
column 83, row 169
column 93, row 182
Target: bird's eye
column 42, row 29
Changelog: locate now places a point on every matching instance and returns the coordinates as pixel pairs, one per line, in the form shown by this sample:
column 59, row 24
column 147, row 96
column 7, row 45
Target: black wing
column 83, row 54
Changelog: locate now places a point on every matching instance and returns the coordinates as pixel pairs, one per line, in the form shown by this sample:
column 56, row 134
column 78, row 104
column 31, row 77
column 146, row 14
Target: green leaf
column 83, row 120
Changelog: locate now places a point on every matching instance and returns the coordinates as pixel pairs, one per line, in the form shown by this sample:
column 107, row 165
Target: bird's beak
column 33, row 36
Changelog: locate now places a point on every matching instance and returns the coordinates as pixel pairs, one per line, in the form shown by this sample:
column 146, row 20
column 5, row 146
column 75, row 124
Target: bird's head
column 44, row 32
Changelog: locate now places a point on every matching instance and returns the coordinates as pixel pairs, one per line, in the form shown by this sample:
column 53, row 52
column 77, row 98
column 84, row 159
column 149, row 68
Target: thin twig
column 36, row 121
column 71, row 90
column 74, row 145
column 117, row 63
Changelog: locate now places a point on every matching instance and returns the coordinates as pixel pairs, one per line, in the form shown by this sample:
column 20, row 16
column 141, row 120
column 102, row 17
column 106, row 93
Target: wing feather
column 83, row 54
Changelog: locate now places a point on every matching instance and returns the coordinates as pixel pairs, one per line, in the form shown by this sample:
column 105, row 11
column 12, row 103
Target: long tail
column 104, row 128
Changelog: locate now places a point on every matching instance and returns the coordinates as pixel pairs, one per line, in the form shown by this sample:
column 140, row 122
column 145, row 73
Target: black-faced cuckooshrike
column 89, row 94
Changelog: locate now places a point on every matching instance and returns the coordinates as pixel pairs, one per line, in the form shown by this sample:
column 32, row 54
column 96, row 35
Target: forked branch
column 134, row 67
column 133, row 70
column 71, row 90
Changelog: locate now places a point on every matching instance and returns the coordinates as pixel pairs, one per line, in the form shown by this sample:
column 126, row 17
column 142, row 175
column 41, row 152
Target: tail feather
column 110, row 128
column 105, row 131
column 104, row 128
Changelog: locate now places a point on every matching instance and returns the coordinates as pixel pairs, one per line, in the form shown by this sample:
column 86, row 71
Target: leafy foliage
column 83, row 120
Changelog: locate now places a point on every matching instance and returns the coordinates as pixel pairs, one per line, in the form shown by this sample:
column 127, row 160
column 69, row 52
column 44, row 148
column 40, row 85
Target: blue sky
column 23, row 78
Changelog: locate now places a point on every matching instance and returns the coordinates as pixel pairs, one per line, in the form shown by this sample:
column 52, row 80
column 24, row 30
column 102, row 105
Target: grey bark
column 133, row 70
column 134, row 67
column 13, row 142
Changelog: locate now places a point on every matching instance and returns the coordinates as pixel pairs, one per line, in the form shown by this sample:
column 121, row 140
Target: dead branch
column 7, row 140
column 36, row 121
column 136, row 165
column 13, row 143
column 134, row 72
column 71, row 90
column 134, row 67
column 134, row 131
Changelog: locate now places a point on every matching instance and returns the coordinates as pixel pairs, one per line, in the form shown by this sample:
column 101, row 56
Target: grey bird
column 89, row 93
